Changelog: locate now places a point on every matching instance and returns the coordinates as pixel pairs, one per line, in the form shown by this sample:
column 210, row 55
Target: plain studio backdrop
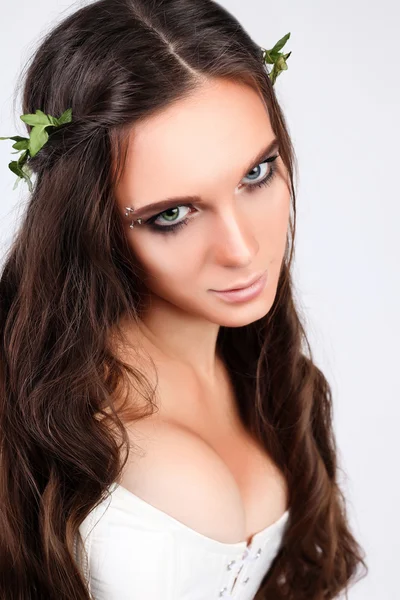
column 341, row 99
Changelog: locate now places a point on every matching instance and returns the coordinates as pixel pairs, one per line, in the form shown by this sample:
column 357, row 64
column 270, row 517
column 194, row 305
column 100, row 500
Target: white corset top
column 135, row 550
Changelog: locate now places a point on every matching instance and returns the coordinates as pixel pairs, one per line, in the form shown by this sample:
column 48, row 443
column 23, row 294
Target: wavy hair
column 69, row 276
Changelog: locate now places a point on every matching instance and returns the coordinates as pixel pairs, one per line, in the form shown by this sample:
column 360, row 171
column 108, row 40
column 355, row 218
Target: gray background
column 341, row 98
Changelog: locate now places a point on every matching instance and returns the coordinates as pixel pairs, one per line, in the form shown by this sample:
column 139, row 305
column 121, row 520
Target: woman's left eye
column 266, row 180
column 251, row 187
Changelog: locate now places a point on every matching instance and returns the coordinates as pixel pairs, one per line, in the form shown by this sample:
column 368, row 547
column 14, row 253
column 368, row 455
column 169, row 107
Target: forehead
column 195, row 144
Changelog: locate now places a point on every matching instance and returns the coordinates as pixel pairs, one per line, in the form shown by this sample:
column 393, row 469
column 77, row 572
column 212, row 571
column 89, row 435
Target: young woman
column 162, row 438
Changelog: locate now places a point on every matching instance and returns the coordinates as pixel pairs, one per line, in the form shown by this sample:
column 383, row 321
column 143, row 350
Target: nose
column 234, row 242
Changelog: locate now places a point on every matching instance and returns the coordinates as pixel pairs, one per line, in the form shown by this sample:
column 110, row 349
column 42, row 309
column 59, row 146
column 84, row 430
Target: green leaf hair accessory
column 276, row 58
column 37, row 139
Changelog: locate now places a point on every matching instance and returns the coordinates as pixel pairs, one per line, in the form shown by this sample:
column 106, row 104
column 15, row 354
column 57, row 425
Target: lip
column 243, row 284
column 244, row 294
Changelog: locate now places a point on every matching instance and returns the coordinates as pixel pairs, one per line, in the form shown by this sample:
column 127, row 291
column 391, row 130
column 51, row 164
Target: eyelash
column 251, row 187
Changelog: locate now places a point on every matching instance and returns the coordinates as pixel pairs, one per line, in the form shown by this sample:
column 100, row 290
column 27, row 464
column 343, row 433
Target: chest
column 212, row 415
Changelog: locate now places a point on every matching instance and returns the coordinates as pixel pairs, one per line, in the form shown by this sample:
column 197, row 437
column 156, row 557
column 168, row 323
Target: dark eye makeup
column 251, row 188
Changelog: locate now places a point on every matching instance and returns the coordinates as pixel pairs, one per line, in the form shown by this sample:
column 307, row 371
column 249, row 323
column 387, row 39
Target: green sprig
column 276, row 58
column 37, row 138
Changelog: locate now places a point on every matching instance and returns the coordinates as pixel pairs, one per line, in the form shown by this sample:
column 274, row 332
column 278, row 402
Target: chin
column 240, row 315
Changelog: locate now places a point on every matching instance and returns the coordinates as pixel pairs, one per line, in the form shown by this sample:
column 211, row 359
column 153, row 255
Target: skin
column 201, row 146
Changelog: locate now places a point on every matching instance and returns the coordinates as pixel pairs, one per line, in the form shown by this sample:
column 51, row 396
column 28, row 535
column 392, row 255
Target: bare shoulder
column 179, row 473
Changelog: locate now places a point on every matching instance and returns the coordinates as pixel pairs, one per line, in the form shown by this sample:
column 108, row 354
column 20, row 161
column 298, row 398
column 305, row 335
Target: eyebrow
column 162, row 205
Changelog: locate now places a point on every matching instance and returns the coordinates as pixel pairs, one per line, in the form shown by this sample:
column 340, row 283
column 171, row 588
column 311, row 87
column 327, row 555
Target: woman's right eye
column 169, row 217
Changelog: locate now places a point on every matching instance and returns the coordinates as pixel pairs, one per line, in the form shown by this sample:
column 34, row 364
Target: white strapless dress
column 135, row 551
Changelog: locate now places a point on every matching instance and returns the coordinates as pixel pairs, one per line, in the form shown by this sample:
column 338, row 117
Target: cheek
column 279, row 222
column 163, row 262
column 271, row 221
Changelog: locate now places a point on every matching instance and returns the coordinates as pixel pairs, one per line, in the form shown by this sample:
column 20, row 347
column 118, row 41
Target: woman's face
column 233, row 228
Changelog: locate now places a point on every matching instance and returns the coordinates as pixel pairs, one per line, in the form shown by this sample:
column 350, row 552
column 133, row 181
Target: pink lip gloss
column 244, row 294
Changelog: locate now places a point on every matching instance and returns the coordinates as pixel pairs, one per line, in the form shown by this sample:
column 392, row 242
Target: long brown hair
column 69, row 276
